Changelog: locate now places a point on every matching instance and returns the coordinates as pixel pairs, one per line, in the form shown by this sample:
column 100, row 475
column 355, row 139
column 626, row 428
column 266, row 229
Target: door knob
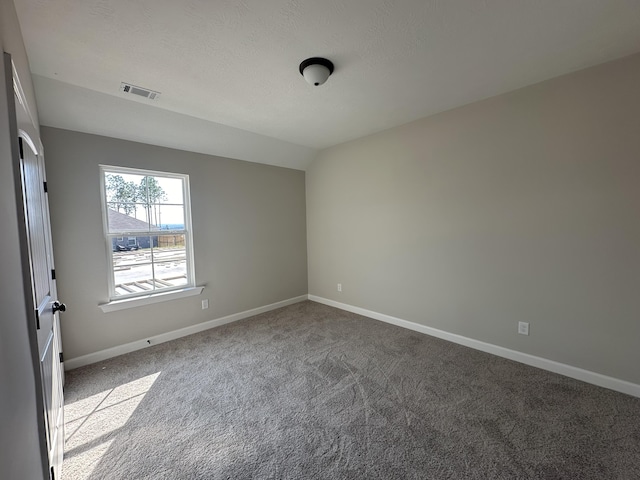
column 59, row 307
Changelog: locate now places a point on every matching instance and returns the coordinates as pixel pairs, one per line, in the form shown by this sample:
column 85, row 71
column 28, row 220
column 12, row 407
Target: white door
column 45, row 303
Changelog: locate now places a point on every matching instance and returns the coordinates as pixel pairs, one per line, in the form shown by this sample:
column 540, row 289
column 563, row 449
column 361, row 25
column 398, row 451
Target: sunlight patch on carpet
column 92, row 423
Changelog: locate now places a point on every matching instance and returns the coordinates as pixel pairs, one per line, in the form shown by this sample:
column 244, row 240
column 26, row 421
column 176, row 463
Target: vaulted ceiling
column 228, row 73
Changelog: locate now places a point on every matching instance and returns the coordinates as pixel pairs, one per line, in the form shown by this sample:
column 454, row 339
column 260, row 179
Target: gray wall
column 249, row 237
column 19, row 438
column 523, row 207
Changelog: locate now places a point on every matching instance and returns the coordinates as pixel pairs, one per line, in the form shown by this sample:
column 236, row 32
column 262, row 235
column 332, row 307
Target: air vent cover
column 140, row 91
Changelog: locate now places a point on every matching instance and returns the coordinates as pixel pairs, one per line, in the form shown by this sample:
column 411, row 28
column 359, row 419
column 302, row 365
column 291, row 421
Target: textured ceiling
column 234, row 63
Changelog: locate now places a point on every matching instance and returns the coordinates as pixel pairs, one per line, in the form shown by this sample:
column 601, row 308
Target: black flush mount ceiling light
column 316, row 70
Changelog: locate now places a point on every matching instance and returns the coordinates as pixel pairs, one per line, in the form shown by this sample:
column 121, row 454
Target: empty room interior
column 290, row 239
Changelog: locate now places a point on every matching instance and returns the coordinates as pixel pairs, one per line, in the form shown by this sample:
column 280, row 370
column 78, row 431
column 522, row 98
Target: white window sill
column 149, row 299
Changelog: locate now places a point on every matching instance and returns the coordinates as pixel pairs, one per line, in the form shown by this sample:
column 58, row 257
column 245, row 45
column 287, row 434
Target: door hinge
column 37, row 320
column 46, row 189
column 53, row 274
column 21, row 149
column 61, row 358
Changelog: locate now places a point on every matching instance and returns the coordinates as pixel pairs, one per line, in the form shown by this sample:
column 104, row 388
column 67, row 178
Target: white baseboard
column 539, row 362
column 165, row 337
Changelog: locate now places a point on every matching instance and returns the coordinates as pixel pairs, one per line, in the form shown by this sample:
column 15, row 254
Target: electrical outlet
column 339, row 287
column 523, row 328
column 205, row 304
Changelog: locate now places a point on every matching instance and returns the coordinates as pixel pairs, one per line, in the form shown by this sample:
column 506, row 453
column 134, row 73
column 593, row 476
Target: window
column 147, row 225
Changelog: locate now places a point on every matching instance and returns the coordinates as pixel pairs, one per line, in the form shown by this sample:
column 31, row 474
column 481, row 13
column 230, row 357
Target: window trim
column 145, row 297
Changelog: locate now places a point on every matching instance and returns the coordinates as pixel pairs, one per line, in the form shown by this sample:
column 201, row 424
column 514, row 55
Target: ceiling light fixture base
column 316, row 70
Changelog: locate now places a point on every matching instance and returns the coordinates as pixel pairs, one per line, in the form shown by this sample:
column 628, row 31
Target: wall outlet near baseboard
column 523, row 328
column 205, row 304
column 339, row 287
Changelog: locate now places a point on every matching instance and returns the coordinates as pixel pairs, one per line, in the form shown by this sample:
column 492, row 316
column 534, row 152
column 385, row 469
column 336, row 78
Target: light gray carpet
column 312, row 392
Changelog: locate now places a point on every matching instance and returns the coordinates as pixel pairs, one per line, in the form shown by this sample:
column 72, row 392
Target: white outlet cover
column 523, row 328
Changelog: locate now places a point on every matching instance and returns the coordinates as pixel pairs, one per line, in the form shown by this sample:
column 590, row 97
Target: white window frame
column 118, row 302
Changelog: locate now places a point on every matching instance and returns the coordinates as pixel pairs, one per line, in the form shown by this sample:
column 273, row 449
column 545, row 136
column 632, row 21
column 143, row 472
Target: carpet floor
column 313, row 392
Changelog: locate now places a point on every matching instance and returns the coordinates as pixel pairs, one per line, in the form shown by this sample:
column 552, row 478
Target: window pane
column 171, row 189
column 131, row 250
column 129, row 217
column 122, row 193
column 169, row 248
column 168, row 217
column 170, row 243
column 157, row 189
column 171, row 274
column 170, row 260
column 130, row 279
column 122, row 187
column 129, row 258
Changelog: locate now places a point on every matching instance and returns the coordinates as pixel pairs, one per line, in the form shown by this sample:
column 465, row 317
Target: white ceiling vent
column 142, row 92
